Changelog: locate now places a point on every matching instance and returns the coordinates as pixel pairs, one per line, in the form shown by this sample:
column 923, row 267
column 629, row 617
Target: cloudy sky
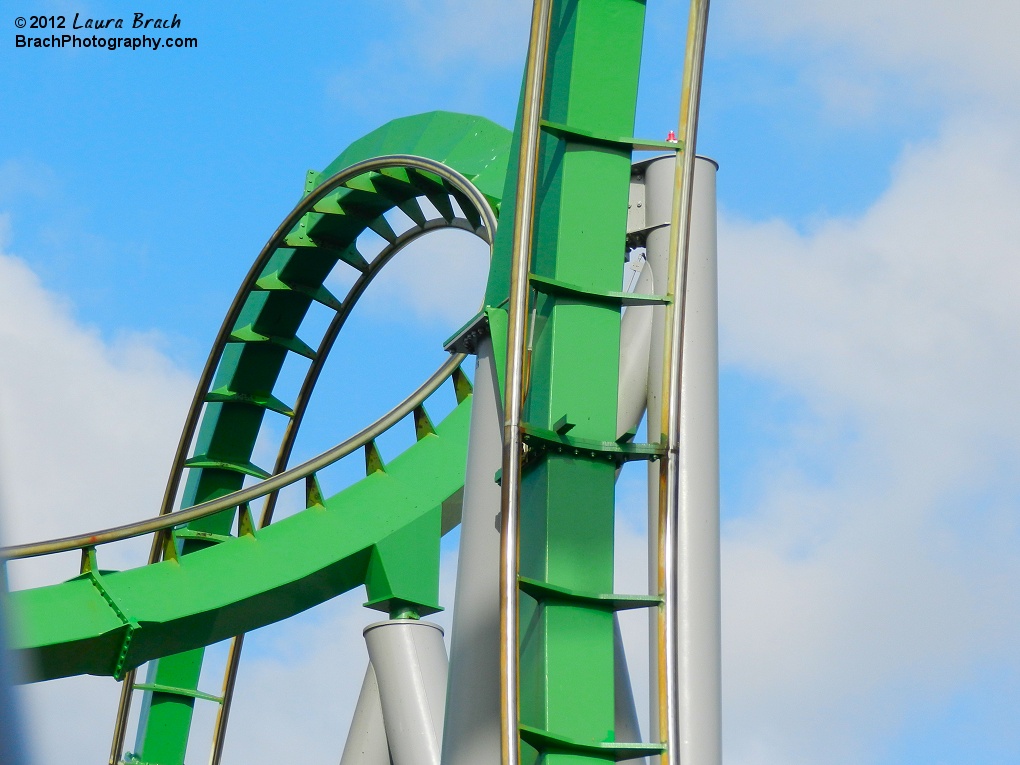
column 869, row 189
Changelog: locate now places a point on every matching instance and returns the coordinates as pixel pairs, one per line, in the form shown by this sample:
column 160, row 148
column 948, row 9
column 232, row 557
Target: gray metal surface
column 679, row 676
column 472, row 704
column 409, row 658
column 635, row 336
column 625, row 716
column 366, row 741
column 697, row 618
column 12, row 742
column 698, row 565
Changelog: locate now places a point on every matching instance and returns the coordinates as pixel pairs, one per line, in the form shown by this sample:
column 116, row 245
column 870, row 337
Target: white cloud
column 88, row 426
column 88, row 431
column 858, row 602
column 935, row 43
column 440, row 278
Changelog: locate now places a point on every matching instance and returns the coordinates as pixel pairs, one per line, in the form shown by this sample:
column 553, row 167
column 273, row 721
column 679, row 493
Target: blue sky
column 869, row 160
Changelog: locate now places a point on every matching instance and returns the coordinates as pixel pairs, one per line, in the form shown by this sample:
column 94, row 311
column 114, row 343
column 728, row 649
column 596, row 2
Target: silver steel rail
column 242, row 496
column 456, row 180
column 332, row 183
column 337, row 324
column 669, row 680
column 523, row 223
column 487, row 232
column 478, row 201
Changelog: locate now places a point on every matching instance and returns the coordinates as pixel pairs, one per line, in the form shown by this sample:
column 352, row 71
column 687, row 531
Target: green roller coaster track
column 216, row 572
column 382, row 532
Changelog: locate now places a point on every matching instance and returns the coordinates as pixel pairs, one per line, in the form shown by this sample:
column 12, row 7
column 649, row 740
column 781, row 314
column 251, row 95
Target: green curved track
column 382, row 532
column 104, row 624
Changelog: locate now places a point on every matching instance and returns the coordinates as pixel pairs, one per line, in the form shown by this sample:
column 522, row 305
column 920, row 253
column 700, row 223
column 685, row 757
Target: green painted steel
column 566, row 660
column 106, row 623
column 382, row 531
column 268, row 328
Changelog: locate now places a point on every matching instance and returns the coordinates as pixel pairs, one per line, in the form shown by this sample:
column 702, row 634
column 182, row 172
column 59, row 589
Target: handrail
column 306, row 204
column 516, row 380
column 671, row 686
column 329, row 338
column 337, row 180
column 241, row 496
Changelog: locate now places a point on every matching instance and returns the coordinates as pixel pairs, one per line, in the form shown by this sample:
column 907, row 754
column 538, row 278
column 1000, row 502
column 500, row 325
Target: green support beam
column 382, row 531
column 74, row 633
column 566, row 659
column 267, row 330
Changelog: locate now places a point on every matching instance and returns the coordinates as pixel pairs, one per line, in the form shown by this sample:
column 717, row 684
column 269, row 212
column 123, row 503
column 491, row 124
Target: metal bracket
column 545, row 592
column 543, row 441
column 567, row 133
column 157, row 688
column 550, row 743
column 92, row 572
column 550, row 286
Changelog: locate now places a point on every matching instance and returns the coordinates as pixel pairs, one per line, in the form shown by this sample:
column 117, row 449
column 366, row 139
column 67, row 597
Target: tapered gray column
column 698, row 567
column 12, row 745
column 472, row 707
column 625, row 717
column 635, row 336
column 366, row 741
column 409, row 658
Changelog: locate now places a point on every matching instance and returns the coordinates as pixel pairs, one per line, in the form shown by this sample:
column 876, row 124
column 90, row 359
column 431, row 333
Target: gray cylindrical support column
column 12, row 746
column 635, row 336
column 698, row 567
column 472, row 706
column 625, row 717
column 366, row 741
column 409, row 658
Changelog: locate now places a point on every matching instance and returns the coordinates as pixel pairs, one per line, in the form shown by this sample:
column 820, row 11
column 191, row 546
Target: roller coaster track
column 102, row 623
column 552, row 312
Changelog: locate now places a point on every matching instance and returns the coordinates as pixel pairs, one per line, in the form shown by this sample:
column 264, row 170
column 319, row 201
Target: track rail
column 235, row 499
column 168, row 518
column 341, row 205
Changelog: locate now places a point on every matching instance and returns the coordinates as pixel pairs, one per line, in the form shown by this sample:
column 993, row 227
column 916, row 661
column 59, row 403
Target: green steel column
column 165, row 722
column 229, row 430
column 567, row 502
column 166, row 717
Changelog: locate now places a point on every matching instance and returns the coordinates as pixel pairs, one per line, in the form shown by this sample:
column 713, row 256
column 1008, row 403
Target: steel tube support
column 472, row 730
column 675, row 614
column 698, row 585
column 698, row 504
column 366, row 742
column 409, row 658
column 523, row 223
column 635, row 343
